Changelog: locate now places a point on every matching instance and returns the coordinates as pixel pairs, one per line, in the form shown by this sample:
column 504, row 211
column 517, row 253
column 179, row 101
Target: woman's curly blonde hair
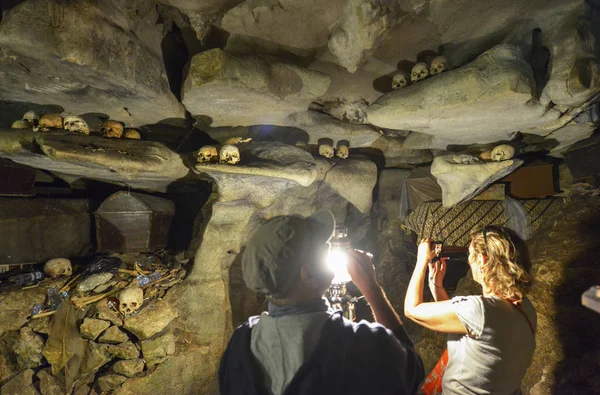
column 507, row 271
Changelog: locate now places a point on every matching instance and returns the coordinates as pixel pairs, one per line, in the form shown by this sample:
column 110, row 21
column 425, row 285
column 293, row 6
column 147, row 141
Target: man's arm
column 362, row 273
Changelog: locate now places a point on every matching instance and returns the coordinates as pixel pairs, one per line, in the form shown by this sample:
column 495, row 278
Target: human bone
column 111, row 129
column 130, row 300
column 31, row 116
column 419, row 72
column 208, row 153
column 326, row 150
column 342, row 151
column 503, row 152
column 76, row 124
column 237, row 140
column 58, row 267
column 465, row 159
column 438, row 65
column 400, row 80
column 21, row 124
column 229, row 154
column 49, row 121
column 132, row 134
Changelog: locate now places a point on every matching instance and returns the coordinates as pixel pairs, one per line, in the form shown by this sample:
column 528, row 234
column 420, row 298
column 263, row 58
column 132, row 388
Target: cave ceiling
column 320, row 69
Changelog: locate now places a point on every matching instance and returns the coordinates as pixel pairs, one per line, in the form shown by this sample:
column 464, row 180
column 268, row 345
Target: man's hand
column 361, row 270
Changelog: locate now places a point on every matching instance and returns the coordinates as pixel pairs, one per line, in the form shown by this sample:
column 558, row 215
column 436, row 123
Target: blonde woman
column 491, row 337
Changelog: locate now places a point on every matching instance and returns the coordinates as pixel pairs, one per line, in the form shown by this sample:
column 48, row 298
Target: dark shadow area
column 175, row 55
column 281, row 134
column 426, row 56
column 540, row 59
column 194, row 140
column 406, row 65
column 169, row 134
column 383, row 84
column 578, row 326
column 216, row 38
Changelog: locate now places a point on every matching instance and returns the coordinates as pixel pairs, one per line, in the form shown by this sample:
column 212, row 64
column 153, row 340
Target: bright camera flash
column 337, row 262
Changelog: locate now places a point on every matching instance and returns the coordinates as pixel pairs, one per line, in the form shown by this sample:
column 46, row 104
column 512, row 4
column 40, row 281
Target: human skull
column 208, row 153
column 419, row 72
column 229, row 154
column 21, row 124
column 130, row 300
column 58, row 267
column 486, row 155
column 32, row 117
column 132, row 134
column 342, row 151
column 76, row 124
column 438, row 65
column 49, row 121
column 111, row 129
column 326, row 150
column 400, row 80
column 237, row 140
column 503, row 152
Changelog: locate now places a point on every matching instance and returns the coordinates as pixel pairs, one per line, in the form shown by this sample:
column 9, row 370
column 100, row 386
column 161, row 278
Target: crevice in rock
column 175, row 56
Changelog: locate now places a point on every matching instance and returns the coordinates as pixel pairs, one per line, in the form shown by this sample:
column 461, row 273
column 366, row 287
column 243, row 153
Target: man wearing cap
column 301, row 345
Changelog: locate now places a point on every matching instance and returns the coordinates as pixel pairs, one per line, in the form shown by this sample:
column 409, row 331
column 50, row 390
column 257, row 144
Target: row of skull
column 109, row 129
column 228, row 153
column 328, row 151
column 420, row 71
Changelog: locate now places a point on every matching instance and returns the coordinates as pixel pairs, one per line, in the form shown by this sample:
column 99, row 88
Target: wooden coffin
column 133, row 222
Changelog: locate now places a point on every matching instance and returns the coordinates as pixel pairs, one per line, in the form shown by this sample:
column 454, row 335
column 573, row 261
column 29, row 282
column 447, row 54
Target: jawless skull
column 32, row 117
column 326, row 150
column 229, row 154
column 49, row 121
column 130, row 300
column 77, row 125
column 208, row 153
column 419, row 72
column 400, row 80
column 439, row 64
column 503, row 152
column 111, row 129
column 58, row 267
column 342, row 151
column 132, row 134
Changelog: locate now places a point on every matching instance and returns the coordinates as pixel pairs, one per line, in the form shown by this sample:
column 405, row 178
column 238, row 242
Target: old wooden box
column 133, row 222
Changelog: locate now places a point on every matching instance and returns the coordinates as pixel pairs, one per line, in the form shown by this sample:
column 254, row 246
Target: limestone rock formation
column 86, row 59
column 487, row 100
column 150, row 320
column 249, row 90
column 461, row 182
column 575, row 72
column 141, row 164
column 362, row 28
column 277, row 27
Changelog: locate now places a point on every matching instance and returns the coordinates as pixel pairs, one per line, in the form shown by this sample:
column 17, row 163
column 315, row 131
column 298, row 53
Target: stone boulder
column 461, row 182
column 113, row 335
column 487, row 100
column 249, row 90
column 289, row 26
column 575, row 72
column 158, row 349
column 28, row 348
column 49, row 384
column 91, row 328
column 362, row 28
column 20, row 384
column 354, row 180
column 109, row 382
column 129, row 367
column 150, row 320
column 139, row 164
column 569, row 135
column 86, row 59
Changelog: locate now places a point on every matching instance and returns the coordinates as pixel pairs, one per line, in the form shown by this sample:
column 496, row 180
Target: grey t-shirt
column 495, row 354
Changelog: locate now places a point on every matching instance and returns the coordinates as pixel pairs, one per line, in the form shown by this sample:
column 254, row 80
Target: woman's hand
column 361, row 270
column 437, row 272
column 425, row 254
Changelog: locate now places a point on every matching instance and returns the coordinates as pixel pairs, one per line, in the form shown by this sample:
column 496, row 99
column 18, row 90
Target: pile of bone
column 123, row 320
column 54, row 122
column 419, row 72
column 228, row 153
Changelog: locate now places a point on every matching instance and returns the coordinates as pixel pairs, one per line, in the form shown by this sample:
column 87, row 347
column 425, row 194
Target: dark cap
column 274, row 255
